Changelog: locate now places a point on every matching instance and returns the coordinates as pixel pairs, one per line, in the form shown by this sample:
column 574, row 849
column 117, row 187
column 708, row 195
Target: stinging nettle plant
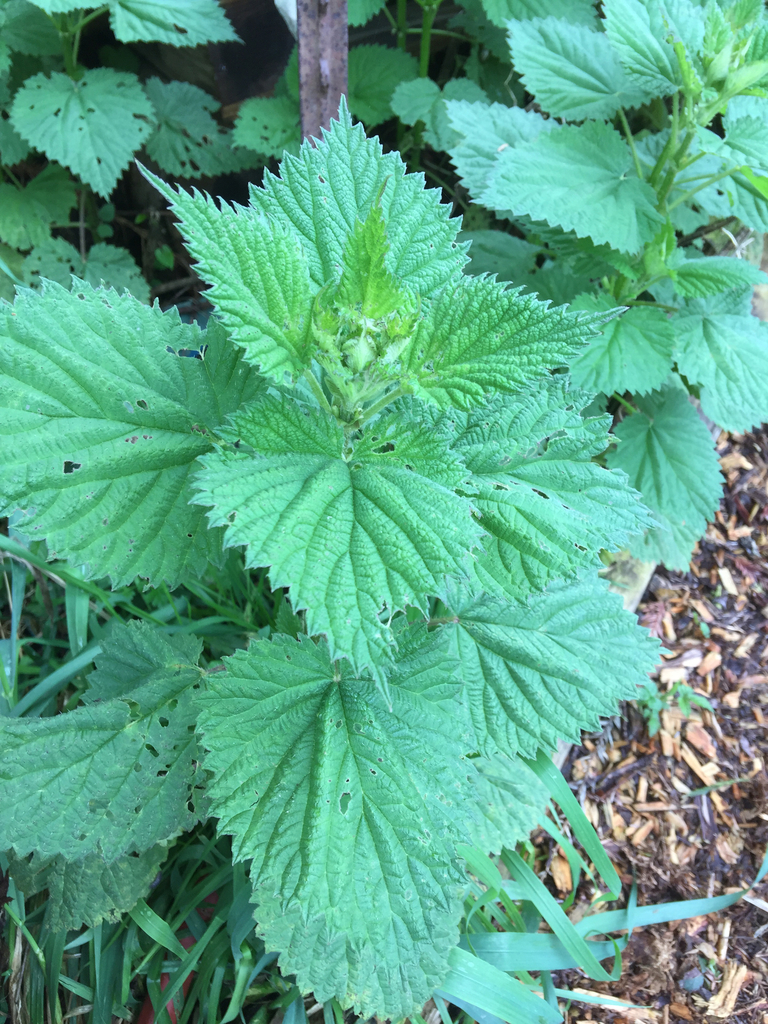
column 651, row 132
column 400, row 446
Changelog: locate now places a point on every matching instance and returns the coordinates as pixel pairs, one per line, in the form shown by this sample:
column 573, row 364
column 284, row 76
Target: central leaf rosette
column 363, row 322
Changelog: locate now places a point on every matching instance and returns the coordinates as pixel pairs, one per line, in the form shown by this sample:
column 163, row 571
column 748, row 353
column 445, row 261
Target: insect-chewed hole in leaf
column 358, row 727
column 189, row 535
column 379, row 759
column 232, row 516
column 541, row 494
column 191, row 806
column 163, row 721
column 137, row 767
column 162, row 773
column 287, row 657
column 151, row 749
column 71, row 467
column 172, row 704
column 384, row 448
column 338, row 724
column 344, row 802
column 142, row 404
column 373, row 771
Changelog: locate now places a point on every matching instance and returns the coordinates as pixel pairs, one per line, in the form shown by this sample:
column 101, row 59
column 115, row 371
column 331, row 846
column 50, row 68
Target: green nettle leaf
column 669, row 456
column 93, row 126
column 710, row 275
column 187, row 141
column 495, row 252
column 56, row 6
column 485, row 132
column 349, row 811
column 27, row 214
column 638, row 34
column 543, row 669
column 178, row 22
column 734, row 196
column 478, row 336
column 13, row 149
column 102, row 421
column 260, row 280
column 374, row 71
column 634, row 352
column 746, row 130
column 572, row 70
column 269, row 125
column 344, row 176
column 722, row 347
column 108, row 265
column 510, row 800
column 547, row 507
column 581, row 179
column 89, row 890
column 361, row 11
column 117, row 775
column 423, row 100
column 26, row 29
column 355, row 529
column 578, row 12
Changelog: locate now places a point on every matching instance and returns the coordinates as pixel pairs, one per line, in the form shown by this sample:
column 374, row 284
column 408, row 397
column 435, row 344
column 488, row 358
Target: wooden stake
column 323, row 48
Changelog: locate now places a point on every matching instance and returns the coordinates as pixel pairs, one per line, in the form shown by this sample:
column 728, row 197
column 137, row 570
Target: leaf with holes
column 668, row 455
column 358, row 531
column 102, row 421
column 89, row 890
column 107, row 265
column 260, row 278
column 349, row 812
column 178, row 22
column 27, row 214
column 269, row 125
column 547, row 668
column 117, row 775
column 188, row 142
column 93, row 126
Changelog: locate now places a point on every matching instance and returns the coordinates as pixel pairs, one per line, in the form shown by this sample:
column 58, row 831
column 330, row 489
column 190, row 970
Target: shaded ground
column 637, row 790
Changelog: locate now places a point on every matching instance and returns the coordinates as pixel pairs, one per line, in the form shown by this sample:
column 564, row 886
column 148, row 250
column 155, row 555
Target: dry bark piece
column 723, row 1002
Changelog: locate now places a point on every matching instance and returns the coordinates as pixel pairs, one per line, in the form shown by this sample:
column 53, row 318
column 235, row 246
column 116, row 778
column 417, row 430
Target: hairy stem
column 317, row 391
column 631, row 142
column 705, row 184
column 402, row 23
column 427, row 21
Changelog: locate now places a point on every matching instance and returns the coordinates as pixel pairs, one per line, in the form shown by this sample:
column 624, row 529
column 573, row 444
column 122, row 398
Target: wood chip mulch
column 639, row 791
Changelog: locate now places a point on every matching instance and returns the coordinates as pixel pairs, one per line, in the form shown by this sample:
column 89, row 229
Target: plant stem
column 402, row 22
column 317, row 391
column 427, row 21
column 670, row 143
column 631, row 142
column 380, row 404
column 710, row 181
column 630, row 408
column 90, row 17
column 81, row 224
column 654, row 305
